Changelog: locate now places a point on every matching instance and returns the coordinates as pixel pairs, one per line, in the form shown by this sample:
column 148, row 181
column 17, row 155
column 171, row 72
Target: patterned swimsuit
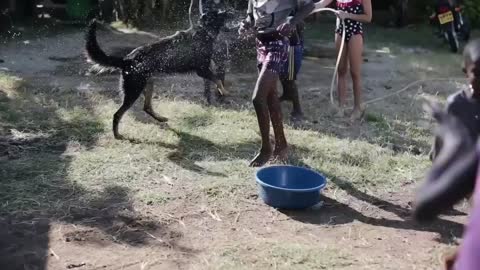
column 351, row 27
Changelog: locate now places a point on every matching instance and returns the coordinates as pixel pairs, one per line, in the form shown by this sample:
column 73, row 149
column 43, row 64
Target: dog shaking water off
column 186, row 51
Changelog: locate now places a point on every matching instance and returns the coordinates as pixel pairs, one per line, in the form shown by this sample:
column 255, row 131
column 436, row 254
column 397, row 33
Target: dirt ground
column 211, row 218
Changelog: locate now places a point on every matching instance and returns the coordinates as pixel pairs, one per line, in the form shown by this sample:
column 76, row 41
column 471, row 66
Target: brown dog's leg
column 147, row 107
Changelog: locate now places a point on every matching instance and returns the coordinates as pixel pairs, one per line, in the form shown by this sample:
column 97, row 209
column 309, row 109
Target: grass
column 10, row 83
column 271, row 255
column 57, row 154
column 378, row 121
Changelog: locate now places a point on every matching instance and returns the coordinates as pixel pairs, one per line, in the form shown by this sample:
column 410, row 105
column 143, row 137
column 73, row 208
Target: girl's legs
column 342, row 72
column 355, row 49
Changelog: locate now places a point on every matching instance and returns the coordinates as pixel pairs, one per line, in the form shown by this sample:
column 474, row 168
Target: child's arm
column 366, row 17
column 250, row 17
column 323, row 4
column 451, row 109
column 305, row 7
column 453, row 173
column 444, row 187
column 436, row 147
column 248, row 22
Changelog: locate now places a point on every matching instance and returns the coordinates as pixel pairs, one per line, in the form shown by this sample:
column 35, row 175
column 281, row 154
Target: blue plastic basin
column 290, row 187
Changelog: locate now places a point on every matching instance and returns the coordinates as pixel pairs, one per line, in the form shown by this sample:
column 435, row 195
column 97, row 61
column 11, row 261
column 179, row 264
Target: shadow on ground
column 336, row 213
column 39, row 138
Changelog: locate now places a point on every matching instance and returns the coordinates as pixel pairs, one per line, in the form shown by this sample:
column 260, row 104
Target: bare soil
column 357, row 227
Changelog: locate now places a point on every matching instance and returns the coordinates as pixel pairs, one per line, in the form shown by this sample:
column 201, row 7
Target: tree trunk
column 165, row 5
column 107, row 8
column 402, row 11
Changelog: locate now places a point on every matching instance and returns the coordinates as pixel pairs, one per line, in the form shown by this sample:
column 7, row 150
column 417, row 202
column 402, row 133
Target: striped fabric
column 273, row 55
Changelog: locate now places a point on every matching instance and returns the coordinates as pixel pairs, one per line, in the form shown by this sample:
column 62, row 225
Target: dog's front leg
column 206, row 73
column 206, row 91
column 220, row 74
column 221, row 77
column 147, row 107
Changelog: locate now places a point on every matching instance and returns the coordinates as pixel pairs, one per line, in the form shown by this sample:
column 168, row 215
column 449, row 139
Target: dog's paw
column 119, row 137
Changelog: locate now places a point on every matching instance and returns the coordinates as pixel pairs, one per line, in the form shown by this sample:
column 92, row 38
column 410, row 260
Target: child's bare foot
column 280, row 155
column 261, row 158
column 339, row 111
column 357, row 114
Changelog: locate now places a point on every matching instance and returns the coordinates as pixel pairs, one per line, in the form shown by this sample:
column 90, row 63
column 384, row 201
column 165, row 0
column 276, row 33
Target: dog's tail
column 96, row 54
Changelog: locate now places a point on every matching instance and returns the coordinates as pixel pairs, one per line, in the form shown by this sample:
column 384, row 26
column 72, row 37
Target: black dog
column 227, row 43
column 182, row 52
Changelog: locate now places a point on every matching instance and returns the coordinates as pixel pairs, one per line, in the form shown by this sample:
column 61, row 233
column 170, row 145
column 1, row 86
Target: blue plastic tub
column 290, row 187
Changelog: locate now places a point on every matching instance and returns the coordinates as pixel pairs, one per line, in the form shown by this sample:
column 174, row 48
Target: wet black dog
column 227, row 46
column 186, row 51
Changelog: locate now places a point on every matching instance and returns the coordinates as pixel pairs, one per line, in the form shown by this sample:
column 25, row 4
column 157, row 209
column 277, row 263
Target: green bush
column 472, row 10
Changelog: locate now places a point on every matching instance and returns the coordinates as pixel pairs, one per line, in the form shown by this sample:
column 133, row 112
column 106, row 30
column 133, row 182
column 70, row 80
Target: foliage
column 133, row 12
column 472, row 9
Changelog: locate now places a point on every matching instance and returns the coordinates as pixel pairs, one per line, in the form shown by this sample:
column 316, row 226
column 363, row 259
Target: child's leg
column 342, row 71
column 355, row 49
column 290, row 92
column 280, row 152
column 286, row 90
column 290, row 89
column 271, row 56
column 265, row 85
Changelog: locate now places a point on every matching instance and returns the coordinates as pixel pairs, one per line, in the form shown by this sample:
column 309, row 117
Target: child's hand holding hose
column 286, row 29
column 342, row 15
